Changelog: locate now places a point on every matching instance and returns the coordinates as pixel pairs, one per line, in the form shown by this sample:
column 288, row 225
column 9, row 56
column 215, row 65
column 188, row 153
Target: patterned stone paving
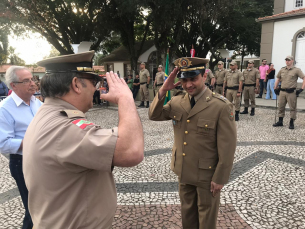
column 266, row 189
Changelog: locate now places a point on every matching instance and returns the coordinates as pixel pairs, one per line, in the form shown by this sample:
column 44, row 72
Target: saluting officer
column 219, row 77
column 251, row 76
column 144, row 84
column 204, row 141
column 233, row 82
column 160, row 77
column 68, row 160
column 288, row 76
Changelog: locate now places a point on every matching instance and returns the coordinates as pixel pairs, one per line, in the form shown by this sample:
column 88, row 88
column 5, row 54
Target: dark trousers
column 97, row 95
column 135, row 92
column 262, row 86
column 17, row 174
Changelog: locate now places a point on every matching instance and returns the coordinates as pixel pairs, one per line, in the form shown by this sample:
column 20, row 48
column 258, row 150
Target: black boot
column 142, row 104
column 245, row 111
column 252, row 112
column 291, row 124
column 279, row 123
column 147, row 104
column 236, row 115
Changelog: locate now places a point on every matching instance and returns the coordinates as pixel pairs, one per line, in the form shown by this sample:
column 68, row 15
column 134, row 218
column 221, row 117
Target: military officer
column 251, row 84
column 233, row 82
column 160, row 77
column 288, row 76
column 210, row 79
column 144, row 83
column 204, row 141
column 219, row 77
column 68, row 160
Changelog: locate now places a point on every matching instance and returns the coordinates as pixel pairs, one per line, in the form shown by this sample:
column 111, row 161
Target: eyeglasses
column 94, row 80
column 26, row 82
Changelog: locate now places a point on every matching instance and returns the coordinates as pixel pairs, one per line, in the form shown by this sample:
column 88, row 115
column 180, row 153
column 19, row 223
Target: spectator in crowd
column 3, row 89
column 270, row 85
column 263, row 81
column 9, row 92
column 136, row 86
column 16, row 113
column 130, row 82
column 96, row 95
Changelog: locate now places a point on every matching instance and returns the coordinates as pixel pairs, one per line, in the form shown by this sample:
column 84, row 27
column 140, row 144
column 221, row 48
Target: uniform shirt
column 160, row 76
column 15, row 117
column 263, row 70
column 144, row 74
column 233, row 78
column 220, row 75
column 67, row 169
column 209, row 76
column 289, row 77
column 204, row 136
column 250, row 75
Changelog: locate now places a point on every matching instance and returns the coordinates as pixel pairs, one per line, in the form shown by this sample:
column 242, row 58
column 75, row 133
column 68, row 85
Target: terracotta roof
column 283, row 15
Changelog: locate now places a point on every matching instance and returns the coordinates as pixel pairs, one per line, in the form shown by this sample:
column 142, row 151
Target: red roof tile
column 283, row 15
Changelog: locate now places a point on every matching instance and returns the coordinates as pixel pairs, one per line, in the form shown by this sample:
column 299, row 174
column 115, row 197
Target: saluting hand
column 118, row 89
column 215, row 188
column 169, row 83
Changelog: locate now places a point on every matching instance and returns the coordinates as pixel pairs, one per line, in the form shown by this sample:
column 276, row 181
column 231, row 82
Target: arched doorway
column 152, row 64
column 300, row 51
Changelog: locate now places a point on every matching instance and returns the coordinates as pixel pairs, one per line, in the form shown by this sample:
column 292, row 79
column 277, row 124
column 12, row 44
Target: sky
column 31, row 48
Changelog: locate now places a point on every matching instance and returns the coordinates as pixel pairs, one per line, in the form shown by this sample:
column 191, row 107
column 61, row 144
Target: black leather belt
column 289, row 90
column 221, row 85
column 160, row 84
column 233, row 88
column 143, row 83
column 249, row 85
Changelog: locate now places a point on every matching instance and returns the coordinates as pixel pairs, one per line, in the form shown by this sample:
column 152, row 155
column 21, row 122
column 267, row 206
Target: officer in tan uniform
column 204, row 141
column 251, row 84
column 160, row 77
column 219, row 77
column 68, row 160
column 210, row 82
column 233, row 82
column 144, row 83
column 288, row 76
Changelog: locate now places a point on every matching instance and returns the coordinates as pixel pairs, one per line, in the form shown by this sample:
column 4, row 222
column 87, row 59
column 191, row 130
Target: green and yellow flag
column 168, row 93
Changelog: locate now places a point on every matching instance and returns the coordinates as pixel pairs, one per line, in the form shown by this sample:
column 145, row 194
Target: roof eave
column 280, row 17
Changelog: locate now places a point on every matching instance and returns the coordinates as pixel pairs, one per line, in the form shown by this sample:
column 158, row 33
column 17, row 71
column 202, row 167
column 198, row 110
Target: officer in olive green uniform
column 144, row 83
column 251, row 84
column 160, row 77
column 219, row 77
column 288, row 76
column 204, row 141
column 233, row 82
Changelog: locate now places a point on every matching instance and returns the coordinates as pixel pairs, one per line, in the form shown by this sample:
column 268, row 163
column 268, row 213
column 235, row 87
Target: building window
column 301, row 35
column 298, row 3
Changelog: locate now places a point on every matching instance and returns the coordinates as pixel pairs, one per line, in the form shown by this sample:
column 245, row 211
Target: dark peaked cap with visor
column 190, row 67
column 78, row 63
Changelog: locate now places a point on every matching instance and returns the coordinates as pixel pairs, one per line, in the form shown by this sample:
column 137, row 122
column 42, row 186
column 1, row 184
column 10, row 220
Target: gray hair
column 11, row 76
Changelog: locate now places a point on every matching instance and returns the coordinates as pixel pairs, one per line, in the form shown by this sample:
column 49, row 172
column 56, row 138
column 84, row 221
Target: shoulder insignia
column 220, row 97
column 231, row 114
column 284, row 67
column 180, row 92
column 73, row 113
column 82, row 123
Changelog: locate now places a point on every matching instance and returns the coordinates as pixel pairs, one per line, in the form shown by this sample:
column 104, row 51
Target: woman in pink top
column 262, row 81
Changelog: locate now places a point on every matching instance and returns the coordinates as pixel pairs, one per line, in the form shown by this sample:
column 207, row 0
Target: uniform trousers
column 199, row 209
column 291, row 98
column 16, row 172
column 249, row 94
column 233, row 98
column 144, row 92
column 219, row 89
column 157, row 89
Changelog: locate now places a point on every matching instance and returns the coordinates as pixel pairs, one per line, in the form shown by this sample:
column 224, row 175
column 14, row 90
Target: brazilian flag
column 168, row 93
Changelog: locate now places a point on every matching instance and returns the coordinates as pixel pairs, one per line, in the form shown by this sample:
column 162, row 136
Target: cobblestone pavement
column 266, row 188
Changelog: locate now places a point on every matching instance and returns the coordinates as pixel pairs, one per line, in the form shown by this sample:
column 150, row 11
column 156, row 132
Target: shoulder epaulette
column 180, row 92
column 220, row 97
column 73, row 113
column 284, row 67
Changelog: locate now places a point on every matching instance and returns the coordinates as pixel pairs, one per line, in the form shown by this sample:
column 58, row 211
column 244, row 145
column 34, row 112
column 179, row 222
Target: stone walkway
column 266, row 188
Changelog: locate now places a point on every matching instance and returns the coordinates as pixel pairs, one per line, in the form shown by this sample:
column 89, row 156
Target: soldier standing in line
column 251, row 76
column 233, row 82
column 210, row 79
column 144, row 84
column 219, row 77
column 204, row 141
column 159, row 80
column 288, row 76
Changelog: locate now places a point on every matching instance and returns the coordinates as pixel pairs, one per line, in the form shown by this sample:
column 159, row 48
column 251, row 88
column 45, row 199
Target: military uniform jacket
column 209, row 76
column 250, row 75
column 160, row 77
column 204, row 137
column 220, row 75
column 143, row 75
column 233, row 78
column 67, row 166
column 289, row 77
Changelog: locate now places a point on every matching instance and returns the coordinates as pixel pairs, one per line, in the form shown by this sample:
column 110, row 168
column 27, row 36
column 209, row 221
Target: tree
column 13, row 58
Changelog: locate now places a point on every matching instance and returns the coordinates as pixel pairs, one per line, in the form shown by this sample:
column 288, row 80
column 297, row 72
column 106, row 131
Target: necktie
column 192, row 102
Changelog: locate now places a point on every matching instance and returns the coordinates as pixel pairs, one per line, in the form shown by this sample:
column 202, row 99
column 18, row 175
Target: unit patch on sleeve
column 81, row 123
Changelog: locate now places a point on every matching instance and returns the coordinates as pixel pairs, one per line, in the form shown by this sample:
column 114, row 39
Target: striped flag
column 168, row 94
